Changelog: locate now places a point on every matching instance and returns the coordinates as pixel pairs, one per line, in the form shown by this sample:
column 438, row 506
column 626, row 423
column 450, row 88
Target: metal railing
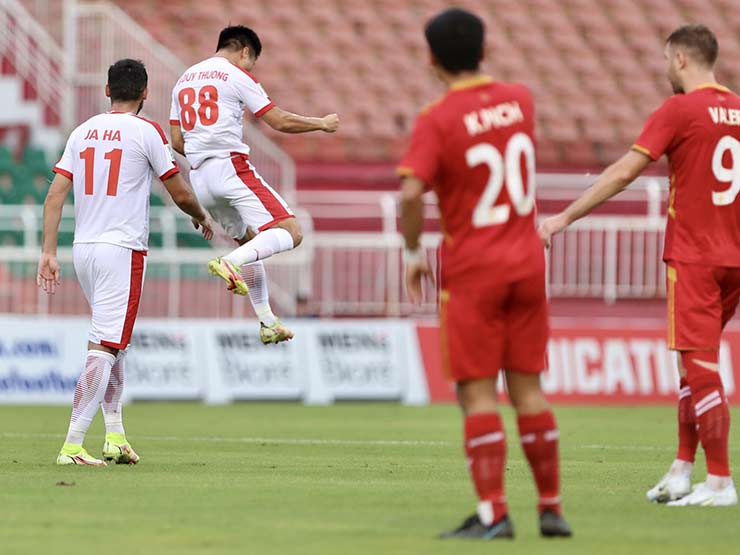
column 35, row 56
column 331, row 273
column 73, row 75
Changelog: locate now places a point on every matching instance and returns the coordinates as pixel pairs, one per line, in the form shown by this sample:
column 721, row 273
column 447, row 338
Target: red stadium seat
column 595, row 66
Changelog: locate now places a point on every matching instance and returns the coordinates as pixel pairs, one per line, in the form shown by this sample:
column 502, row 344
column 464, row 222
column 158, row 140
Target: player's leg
column 116, row 447
column 241, row 203
column 94, row 378
column 112, row 278
column 474, row 366
column 252, row 278
column 527, row 332
column 211, row 185
column 272, row 330
column 265, row 213
column 701, row 308
column 676, row 483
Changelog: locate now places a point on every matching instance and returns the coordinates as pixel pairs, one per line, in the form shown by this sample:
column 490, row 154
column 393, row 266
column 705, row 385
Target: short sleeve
column 175, row 110
column 660, row 130
column 252, row 95
column 65, row 164
column 423, row 156
column 159, row 153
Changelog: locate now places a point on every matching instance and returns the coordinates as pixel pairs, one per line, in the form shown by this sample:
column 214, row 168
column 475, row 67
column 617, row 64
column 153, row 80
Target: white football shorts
column 236, row 195
column 112, row 278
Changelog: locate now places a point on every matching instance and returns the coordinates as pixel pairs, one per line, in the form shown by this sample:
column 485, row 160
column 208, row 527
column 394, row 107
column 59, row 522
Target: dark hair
column 699, row 39
column 455, row 37
column 127, row 80
column 237, row 37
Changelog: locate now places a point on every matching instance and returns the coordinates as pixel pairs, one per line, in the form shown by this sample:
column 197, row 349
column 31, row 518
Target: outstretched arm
column 48, row 270
column 613, row 180
column 287, row 122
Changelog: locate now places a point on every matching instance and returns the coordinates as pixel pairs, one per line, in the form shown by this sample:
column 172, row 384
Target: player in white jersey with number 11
column 208, row 104
column 110, row 161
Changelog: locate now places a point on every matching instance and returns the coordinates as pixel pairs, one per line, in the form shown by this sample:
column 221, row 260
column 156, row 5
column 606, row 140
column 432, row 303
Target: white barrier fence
column 334, row 273
column 219, row 362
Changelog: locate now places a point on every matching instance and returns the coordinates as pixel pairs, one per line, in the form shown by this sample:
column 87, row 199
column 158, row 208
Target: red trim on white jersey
column 156, row 126
column 169, row 174
column 255, row 184
column 60, row 171
column 268, row 225
column 174, row 122
column 262, row 111
column 134, row 296
column 252, row 77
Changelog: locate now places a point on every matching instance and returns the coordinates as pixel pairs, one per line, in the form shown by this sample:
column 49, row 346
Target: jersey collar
column 472, row 82
column 713, row 86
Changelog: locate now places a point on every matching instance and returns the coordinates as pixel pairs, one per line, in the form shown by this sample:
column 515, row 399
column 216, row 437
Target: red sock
column 712, row 412
column 485, row 447
column 688, row 437
column 539, row 437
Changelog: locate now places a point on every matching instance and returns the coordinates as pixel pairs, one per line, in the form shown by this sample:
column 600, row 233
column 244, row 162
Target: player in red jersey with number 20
column 475, row 149
column 699, row 130
column 110, row 161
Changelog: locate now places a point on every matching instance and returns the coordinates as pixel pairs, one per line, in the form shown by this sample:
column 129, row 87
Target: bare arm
column 184, row 197
column 412, row 224
column 48, row 270
column 178, row 141
column 412, row 211
column 612, row 181
column 287, row 122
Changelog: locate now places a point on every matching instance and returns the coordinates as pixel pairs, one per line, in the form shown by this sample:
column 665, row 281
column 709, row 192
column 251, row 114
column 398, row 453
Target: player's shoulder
column 149, row 127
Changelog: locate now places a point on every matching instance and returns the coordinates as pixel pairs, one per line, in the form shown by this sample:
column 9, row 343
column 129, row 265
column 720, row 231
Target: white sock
column 112, row 405
column 264, row 245
column 718, row 483
column 256, row 279
column 89, row 393
column 679, row 468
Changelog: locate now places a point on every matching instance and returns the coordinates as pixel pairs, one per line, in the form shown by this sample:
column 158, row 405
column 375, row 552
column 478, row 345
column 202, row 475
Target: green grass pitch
column 345, row 479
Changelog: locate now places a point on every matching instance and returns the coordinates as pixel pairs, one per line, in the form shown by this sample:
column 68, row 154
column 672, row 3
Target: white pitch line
column 256, row 440
column 338, row 442
column 335, row 442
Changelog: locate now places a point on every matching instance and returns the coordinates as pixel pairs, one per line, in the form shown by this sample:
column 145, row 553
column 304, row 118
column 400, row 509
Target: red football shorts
column 701, row 300
column 489, row 327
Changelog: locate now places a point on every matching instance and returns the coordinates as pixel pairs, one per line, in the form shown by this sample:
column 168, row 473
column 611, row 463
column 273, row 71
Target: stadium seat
column 34, row 159
column 576, row 55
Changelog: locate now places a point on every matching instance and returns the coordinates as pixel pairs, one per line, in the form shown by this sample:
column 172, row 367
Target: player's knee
column 526, row 393
column 292, row 226
column 702, row 370
column 477, row 396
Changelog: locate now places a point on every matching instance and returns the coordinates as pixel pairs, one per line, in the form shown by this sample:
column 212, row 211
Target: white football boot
column 670, row 488
column 704, row 496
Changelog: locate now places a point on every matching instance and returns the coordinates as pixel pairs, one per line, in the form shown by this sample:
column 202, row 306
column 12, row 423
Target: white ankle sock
column 264, row 245
column 89, row 393
column 718, row 483
column 679, row 468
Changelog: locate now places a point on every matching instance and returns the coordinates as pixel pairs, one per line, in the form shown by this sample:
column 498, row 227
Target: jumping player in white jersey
column 110, row 160
column 208, row 104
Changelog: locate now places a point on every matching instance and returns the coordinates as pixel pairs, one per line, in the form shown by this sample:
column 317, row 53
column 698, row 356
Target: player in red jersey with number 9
column 475, row 148
column 110, row 161
column 699, row 130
